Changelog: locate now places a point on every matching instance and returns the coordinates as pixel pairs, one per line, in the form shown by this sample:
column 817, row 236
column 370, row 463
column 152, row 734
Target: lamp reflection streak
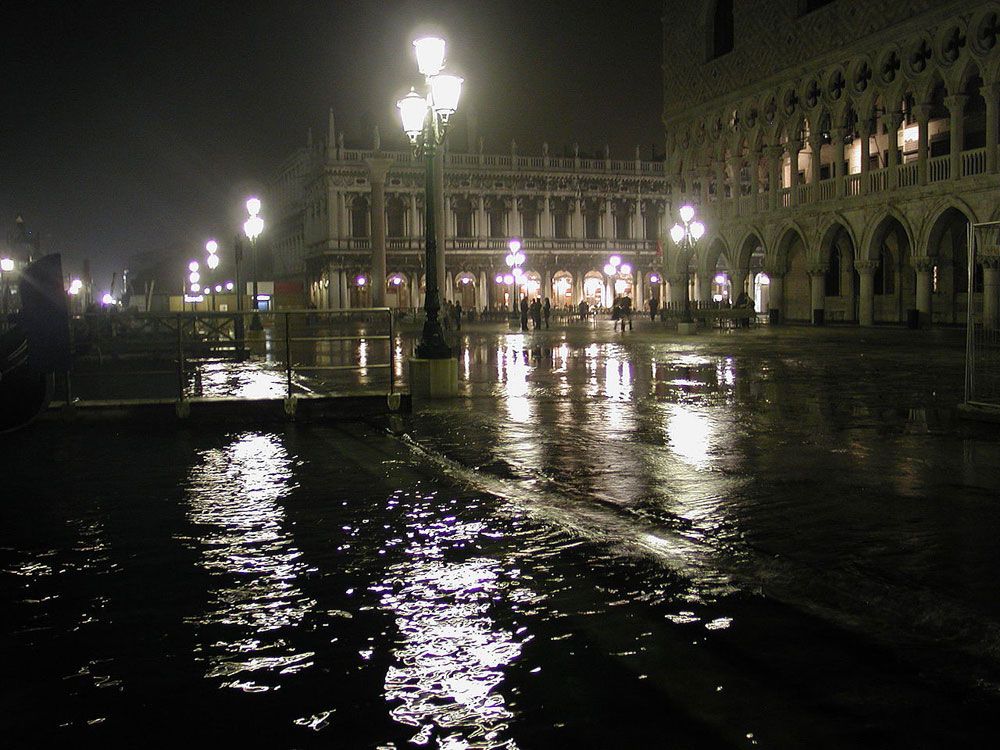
column 451, row 658
column 234, row 495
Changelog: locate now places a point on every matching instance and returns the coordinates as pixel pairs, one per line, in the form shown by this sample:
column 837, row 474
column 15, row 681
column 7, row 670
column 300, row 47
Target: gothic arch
column 931, row 226
column 877, row 230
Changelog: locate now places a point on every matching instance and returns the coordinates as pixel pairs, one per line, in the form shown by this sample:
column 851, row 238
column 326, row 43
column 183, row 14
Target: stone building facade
column 837, row 151
column 571, row 215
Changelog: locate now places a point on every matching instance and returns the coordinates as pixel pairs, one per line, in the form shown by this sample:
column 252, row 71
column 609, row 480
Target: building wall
column 769, row 142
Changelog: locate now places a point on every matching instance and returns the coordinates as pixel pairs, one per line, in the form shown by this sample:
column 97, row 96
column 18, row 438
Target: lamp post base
column 686, row 329
column 433, row 378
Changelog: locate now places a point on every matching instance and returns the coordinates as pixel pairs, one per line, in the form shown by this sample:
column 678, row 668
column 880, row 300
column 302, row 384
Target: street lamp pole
column 686, row 236
column 425, row 120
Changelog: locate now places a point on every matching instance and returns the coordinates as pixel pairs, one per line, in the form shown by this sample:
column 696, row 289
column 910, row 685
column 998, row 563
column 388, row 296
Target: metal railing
column 129, row 356
column 982, row 343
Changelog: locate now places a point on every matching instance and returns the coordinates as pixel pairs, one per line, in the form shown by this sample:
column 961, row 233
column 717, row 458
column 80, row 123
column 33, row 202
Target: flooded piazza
column 776, row 537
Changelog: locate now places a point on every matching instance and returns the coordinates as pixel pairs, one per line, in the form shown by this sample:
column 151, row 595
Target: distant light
column 687, row 213
column 253, row 206
column 218, row 287
column 717, row 298
column 6, row 264
column 508, row 279
column 518, row 272
column 499, row 278
column 361, row 281
column 263, row 297
column 466, row 279
column 519, row 258
column 195, row 287
column 412, row 110
column 677, row 233
column 609, row 269
column 514, row 245
column 193, row 266
column 213, row 261
column 654, row 279
column 446, row 90
column 253, row 227
column 720, row 278
column 194, row 277
column 230, row 286
column 212, row 246
column 763, row 278
column 74, row 290
column 615, row 261
column 697, row 229
column 626, row 269
column 397, row 280
column 107, row 299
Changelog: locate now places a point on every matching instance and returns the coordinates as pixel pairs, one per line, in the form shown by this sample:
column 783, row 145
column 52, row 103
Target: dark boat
column 36, row 346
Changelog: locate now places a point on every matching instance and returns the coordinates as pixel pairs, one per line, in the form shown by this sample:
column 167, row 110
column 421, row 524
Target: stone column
column 956, row 111
column 609, row 219
column 734, row 167
column 837, row 134
column 546, row 229
column 775, row 293
column 793, row 148
column 333, row 292
column 817, row 289
column 923, row 268
column 991, row 292
column 482, row 221
column 638, row 293
column 737, row 281
column 866, row 291
column 705, row 286
column 514, row 228
column 991, row 93
column 865, row 136
column 377, row 170
column 815, row 161
column 345, row 290
column 923, row 114
column 774, row 154
column 892, row 121
column 719, row 167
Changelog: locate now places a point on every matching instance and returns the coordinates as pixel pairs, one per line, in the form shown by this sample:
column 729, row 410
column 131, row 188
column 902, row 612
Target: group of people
column 537, row 310
column 621, row 312
column 451, row 313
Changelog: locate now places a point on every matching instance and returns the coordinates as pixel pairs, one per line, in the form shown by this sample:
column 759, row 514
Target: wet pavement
column 776, row 537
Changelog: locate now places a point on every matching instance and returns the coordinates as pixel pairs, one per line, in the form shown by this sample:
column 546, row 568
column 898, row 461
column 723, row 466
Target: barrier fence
column 227, row 355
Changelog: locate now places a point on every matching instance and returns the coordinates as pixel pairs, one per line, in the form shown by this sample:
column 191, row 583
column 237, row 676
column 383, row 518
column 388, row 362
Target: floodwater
column 761, row 538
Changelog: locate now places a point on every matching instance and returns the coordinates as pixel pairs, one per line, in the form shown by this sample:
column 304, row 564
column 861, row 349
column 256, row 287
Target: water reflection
column 234, row 495
column 452, row 656
column 250, row 380
column 689, row 434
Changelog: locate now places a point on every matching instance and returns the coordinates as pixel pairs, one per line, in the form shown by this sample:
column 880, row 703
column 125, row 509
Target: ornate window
column 359, row 217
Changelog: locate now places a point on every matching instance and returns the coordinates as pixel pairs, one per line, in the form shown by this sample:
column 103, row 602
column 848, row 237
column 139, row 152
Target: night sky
column 128, row 128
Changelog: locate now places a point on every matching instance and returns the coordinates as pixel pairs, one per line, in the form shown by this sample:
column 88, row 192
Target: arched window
column 395, row 216
column 359, row 217
column 722, row 28
column 884, row 279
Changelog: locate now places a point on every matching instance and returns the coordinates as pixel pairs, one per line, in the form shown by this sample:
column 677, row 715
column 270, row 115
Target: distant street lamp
column 515, row 259
column 425, row 121
column 686, row 237
column 6, row 266
column 618, row 272
column 253, row 227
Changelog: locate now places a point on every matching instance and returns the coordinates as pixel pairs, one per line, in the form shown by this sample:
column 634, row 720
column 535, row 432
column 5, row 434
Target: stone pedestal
column 686, row 329
column 433, row 378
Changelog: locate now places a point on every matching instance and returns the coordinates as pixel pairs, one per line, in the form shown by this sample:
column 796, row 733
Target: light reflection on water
column 451, row 660
column 234, row 496
column 250, row 380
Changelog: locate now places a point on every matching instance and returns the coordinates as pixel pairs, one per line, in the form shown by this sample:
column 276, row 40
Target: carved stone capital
column 923, row 265
column 990, row 262
column 817, row 269
column 774, row 272
column 865, row 266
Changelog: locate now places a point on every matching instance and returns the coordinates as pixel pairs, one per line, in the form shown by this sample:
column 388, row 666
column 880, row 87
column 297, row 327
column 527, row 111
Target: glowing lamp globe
column 615, row 261
column 697, row 230
column 193, row 266
column 229, row 286
column 687, row 213
column 196, row 287
column 107, row 299
column 412, row 110
column 677, row 233
column 194, row 276
column 508, row 279
column 212, row 247
column 626, row 269
column 213, row 261
column 514, row 245
column 445, row 93
column 253, row 206
column 361, row 281
column 6, row 264
column 519, row 258
column 499, row 278
column 430, row 54
column 609, row 270
column 509, row 260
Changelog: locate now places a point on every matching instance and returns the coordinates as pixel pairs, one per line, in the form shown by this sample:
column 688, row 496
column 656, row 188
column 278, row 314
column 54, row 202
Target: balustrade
column 908, row 175
column 805, row 194
column 827, row 189
column 939, row 168
column 853, row 184
column 974, row 162
column 785, row 197
column 878, row 180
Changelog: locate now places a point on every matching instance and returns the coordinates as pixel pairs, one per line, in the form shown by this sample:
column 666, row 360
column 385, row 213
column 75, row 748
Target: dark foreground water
column 776, row 540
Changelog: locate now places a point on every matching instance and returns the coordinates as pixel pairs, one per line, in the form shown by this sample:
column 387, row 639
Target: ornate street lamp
column 686, row 237
column 514, row 260
column 425, row 121
column 253, row 227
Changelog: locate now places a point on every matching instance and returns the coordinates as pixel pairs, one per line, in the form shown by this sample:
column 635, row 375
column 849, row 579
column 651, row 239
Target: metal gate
column 982, row 349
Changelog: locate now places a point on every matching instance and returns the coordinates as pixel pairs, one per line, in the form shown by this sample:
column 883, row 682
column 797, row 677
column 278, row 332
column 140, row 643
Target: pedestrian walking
column 654, row 305
column 458, row 315
column 524, row 313
column 546, row 311
column 583, row 309
column 536, row 313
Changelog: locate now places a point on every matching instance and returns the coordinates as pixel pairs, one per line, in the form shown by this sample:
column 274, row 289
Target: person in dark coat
column 546, row 311
column 458, row 315
column 584, row 309
column 536, row 313
column 654, row 305
column 524, row 313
